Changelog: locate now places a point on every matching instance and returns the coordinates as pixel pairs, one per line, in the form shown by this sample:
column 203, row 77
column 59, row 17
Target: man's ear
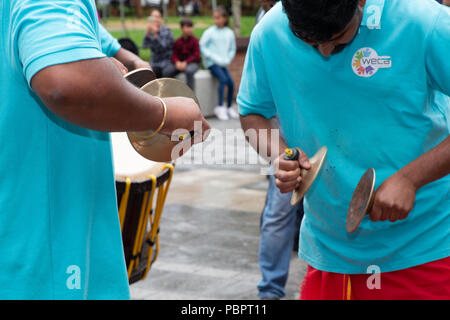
column 362, row 3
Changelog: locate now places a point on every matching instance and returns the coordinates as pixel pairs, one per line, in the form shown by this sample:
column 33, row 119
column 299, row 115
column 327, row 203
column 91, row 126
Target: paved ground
column 210, row 229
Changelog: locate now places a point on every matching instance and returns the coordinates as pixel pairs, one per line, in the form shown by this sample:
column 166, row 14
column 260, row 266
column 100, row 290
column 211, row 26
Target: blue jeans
column 224, row 77
column 280, row 223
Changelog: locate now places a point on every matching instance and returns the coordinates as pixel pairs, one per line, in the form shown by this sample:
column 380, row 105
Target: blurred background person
column 186, row 54
column 159, row 39
column 218, row 47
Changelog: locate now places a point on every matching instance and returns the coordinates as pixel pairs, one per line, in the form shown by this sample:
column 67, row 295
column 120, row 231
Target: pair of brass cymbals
column 158, row 147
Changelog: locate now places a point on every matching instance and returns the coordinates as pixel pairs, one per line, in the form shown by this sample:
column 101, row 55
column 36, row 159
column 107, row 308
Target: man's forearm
column 93, row 94
column 265, row 144
column 129, row 59
column 429, row 167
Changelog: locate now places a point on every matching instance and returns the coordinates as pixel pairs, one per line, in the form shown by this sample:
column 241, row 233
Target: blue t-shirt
column 59, row 227
column 374, row 105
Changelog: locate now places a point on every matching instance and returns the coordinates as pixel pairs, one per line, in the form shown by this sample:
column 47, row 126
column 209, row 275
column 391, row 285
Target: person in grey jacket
column 159, row 39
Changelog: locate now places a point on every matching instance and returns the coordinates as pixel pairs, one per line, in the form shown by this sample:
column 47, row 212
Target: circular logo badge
column 366, row 62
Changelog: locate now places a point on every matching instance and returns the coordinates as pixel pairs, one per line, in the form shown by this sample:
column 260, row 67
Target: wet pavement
column 209, row 233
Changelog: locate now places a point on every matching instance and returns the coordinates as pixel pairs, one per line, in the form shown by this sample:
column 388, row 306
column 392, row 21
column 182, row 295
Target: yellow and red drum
column 142, row 187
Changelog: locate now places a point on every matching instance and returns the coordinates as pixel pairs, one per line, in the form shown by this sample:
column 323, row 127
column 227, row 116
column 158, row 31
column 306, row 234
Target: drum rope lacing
column 146, row 213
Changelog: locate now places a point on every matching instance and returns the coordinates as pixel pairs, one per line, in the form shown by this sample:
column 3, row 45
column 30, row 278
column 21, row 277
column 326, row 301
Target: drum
column 142, row 187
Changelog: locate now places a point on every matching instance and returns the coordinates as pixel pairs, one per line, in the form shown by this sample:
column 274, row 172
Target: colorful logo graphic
column 366, row 62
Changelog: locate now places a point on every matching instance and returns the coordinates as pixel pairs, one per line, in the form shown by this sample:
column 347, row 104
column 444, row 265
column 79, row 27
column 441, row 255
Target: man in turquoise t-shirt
column 59, row 97
column 370, row 80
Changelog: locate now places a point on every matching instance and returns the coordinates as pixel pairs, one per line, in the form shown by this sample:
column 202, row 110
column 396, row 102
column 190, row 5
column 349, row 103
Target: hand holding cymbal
column 308, row 176
column 393, row 200
column 181, row 111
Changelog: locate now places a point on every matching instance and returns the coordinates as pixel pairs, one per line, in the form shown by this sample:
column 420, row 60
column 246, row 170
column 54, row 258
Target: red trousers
column 430, row 281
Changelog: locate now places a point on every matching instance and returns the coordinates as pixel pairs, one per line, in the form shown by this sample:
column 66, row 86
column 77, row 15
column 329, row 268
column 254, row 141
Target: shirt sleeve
column 255, row 96
column 146, row 43
column 437, row 53
column 54, row 32
column 166, row 40
column 231, row 49
column 110, row 45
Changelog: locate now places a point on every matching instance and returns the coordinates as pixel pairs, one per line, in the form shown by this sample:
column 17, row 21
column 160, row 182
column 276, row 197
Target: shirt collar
column 373, row 11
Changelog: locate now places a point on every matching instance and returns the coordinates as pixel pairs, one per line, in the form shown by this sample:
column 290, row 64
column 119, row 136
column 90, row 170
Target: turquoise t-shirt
column 59, row 227
column 374, row 105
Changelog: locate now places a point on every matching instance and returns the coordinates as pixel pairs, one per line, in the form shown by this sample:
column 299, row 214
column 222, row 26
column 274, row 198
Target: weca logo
column 366, row 62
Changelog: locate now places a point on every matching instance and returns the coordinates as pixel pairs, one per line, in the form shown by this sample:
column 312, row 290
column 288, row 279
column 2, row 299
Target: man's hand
column 181, row 114
column 288, row 176
column 394, row 199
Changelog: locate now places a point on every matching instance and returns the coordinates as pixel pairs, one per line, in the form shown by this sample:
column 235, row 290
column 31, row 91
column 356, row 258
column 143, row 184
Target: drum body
column 142, row 187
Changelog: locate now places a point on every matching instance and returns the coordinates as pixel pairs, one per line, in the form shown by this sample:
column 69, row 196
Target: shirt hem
column 405, row 264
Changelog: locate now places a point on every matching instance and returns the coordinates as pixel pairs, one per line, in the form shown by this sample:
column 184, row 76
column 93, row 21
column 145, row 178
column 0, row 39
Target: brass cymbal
column 362, row 201
column 308, row 176
column 159, row 147
column 140, row 77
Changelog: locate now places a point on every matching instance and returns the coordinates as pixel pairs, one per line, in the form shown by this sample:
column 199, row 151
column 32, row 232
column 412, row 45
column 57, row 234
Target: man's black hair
column 319, row 20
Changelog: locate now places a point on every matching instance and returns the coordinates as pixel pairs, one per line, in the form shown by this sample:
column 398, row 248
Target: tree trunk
column 138, row 5
column 236, row 8
column 164, row 9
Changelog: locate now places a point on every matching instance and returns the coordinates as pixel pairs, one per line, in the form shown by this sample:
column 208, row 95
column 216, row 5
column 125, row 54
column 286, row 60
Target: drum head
column 140, row 77
column 308, row 176
column 159, row 147
column 361, row 200
column 128, row 163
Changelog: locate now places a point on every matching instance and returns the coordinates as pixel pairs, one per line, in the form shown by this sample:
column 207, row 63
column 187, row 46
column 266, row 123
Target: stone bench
column 206, row 87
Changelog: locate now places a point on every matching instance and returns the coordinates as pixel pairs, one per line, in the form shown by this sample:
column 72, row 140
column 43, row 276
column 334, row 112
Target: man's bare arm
column 93, row 94
column 257, row 122
column 395, row 197
column 130, row 60
column 431, row 166
column 287, row 173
